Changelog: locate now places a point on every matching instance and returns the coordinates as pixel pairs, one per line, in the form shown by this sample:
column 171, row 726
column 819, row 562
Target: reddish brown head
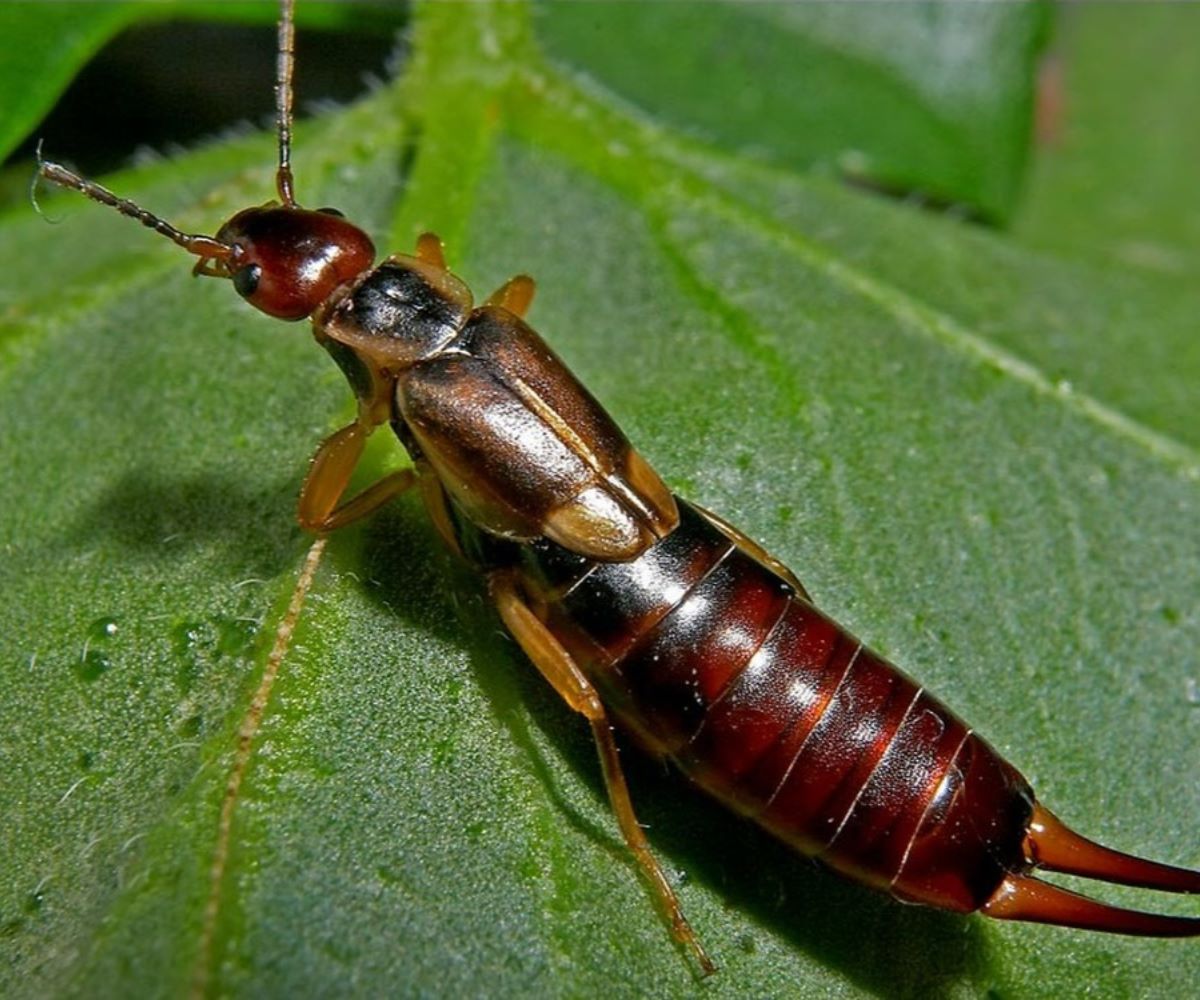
column 286, row 260
column 282, row 259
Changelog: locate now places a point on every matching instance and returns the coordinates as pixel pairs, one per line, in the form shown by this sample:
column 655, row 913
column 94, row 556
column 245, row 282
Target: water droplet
column 93, row 665
column 94, row 661
column 198, row 643
column 235, row 635
column 185, row 642
column 102, row 628
column 190, row 727
column 185, row 637
column 34, row 901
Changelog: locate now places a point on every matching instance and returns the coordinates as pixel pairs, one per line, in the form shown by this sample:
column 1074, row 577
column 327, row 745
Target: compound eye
column 332, row 211
column 245, row 280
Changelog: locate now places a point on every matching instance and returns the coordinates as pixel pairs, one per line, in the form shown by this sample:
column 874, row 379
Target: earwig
column 640, row 609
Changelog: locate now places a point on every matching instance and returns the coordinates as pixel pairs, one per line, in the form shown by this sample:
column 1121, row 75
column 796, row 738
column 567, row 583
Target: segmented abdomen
column 714, row 661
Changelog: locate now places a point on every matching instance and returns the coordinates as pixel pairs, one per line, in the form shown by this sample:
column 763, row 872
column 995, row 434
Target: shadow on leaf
column 147, row 515
column 882, row 946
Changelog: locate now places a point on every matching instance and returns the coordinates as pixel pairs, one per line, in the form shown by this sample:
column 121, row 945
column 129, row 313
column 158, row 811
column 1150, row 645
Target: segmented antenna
column 202, row 246
column 284, row 67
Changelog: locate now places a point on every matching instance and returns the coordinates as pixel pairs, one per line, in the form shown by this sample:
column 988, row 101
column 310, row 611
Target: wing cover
column 525, row 449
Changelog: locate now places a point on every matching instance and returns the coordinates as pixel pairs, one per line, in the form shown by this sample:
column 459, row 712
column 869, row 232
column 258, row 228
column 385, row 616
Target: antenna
column 206, row 247
column 285, row 65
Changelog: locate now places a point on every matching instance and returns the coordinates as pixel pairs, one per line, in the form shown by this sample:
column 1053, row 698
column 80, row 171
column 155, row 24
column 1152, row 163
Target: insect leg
column 573, row 687
column 429, row 249
column 434, row 497
column 515, row 295
column 321, row 508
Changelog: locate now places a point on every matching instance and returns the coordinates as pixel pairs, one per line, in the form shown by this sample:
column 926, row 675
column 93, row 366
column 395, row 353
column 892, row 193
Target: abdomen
column 710, row 659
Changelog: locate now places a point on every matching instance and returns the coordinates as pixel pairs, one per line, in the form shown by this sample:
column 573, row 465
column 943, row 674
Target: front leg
column 564, row 675
column 321, row 508
column 515, row 295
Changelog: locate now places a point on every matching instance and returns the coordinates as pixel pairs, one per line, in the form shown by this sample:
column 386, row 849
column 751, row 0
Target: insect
column 639, row 608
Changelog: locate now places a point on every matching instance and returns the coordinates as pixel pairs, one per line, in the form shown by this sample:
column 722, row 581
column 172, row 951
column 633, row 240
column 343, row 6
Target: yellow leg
column 515, row 295
column 434, row 497
column 429, row 249
column 321, row 508
column 573, row 687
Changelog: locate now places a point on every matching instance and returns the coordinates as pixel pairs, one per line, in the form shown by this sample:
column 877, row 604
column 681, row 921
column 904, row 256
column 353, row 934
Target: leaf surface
column 417, row 813
column 932, row 98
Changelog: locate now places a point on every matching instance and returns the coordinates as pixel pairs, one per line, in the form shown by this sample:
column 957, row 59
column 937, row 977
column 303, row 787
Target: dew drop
column 185, row 642
column 190, row 727
column 234, row 635
column 93, row 665
column 102, row 628
column 95, row 661
column 185, row 637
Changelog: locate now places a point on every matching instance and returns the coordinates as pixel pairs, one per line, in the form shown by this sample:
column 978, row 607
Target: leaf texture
column 864, row 387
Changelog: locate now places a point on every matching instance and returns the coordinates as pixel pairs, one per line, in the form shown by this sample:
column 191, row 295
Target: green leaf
column 414, row 812
column 47, row 43
column 932, row 98
column 1109, row 185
